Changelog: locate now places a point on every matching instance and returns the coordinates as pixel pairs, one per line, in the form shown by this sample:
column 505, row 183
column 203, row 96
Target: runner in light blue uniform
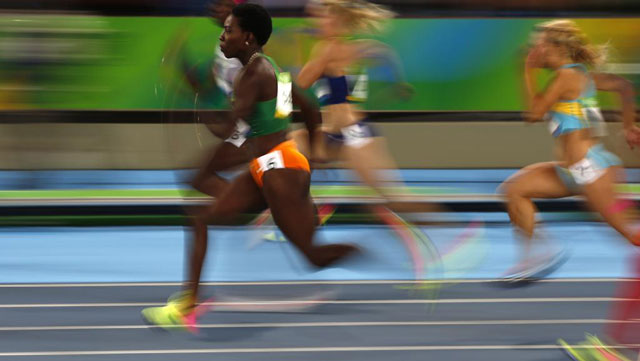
column 567, row 116
column 583, row 167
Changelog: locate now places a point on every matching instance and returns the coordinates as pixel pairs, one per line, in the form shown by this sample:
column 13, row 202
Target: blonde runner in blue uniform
column 345, row 131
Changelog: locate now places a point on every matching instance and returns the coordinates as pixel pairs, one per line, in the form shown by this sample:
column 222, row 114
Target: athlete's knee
column 312, row 255
column 317, row 261
column 201, row 178
column 197, row 183
column 213, row 185
column 511, row 191
column 635, row 239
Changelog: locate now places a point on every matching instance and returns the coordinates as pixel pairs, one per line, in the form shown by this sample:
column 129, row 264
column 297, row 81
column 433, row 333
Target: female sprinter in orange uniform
column 583, row 166
column 279, row 175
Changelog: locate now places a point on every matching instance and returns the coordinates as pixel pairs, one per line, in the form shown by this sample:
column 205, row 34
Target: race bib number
column 239, row 135
column 356, row 135
column 585, row 171
column 270, row 161
column 321, row 89
column 360, row 90
column 284, row 102
column 551, row 123
column 225, row 71
column 594, row 116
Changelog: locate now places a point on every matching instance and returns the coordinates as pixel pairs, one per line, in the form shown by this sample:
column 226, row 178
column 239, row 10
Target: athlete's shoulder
column 258, row 71
column 325, row 49
column 568, row 76
column 569, row 73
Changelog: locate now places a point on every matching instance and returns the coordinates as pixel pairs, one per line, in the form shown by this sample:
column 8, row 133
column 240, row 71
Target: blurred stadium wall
column 88, row 88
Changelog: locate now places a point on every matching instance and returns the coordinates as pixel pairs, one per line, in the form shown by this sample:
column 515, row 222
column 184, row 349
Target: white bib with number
column 356, row 135
column 553, row 126
column 586, row 171
column 360, row 89
column 284, row 102
column 596, row 121
column 271, row 160
column 239, row 135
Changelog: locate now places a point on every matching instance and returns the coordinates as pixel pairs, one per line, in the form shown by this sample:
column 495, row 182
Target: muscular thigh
column 243, row 195
column 604, row 187
column 538, row 180
column 282, row 187
column 226, row 156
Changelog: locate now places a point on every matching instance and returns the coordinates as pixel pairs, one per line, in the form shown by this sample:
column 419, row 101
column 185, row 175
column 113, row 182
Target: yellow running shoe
column 603, row 351
column 577, row 352
column 592, row 349
column 174, row 315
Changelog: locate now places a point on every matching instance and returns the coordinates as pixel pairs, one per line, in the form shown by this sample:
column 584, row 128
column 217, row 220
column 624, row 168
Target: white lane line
column 330, row 302
column 303, row 283
column 295, row 349
column 72, row 305
column 330, row 324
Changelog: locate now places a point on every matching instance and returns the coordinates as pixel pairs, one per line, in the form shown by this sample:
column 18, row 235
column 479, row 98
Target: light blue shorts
column 589, row 169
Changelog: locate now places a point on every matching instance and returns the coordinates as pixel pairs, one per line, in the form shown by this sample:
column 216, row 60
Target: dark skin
column 219, row 10
column 284, row 191
column 222, row 156
column 225, row 155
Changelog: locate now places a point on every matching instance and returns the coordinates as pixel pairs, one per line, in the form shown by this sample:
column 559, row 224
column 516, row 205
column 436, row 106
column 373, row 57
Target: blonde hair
column 359, row 16
column 566, row 34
